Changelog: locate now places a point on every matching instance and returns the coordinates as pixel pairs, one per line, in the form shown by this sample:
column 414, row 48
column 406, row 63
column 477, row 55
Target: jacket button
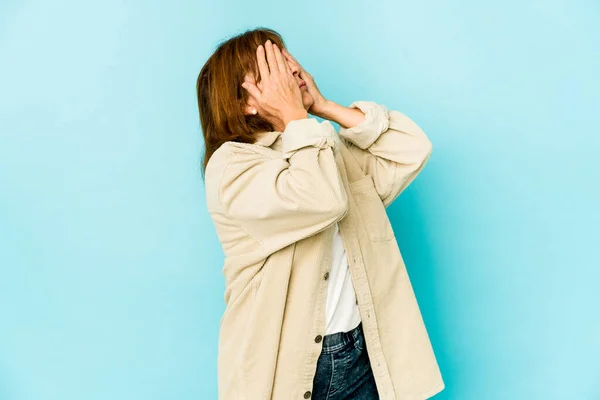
column 326, row 276
column 318, row 338
column 307, row 395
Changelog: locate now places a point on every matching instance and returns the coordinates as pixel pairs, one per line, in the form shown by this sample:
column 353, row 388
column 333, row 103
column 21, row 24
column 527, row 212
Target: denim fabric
column 343, row 369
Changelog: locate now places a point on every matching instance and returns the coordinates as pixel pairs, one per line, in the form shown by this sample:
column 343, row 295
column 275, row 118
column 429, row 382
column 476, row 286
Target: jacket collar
column 267, row 138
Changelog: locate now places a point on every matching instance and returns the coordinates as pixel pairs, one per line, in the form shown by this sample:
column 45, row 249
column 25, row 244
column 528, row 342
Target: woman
column 318, row 301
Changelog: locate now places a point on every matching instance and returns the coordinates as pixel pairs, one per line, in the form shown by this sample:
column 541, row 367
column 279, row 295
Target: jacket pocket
column 371, row 209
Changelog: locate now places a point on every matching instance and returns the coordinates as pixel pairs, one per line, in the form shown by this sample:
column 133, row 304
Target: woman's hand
column 280, row 95
column 319, row 102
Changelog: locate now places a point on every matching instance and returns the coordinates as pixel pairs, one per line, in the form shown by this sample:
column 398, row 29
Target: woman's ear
column 250, row 110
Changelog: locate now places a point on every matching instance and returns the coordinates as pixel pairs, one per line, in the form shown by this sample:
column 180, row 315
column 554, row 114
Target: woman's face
column 307, row 99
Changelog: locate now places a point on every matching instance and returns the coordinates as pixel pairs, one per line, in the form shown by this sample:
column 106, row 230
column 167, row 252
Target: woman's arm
column 345, row 116
column 281, row 198
column 387, row 144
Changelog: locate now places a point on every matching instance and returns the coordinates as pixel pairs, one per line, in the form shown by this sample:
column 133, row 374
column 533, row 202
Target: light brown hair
column 221, row 98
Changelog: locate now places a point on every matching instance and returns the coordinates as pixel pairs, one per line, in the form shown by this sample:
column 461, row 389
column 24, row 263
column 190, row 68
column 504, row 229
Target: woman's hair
column 221, row 98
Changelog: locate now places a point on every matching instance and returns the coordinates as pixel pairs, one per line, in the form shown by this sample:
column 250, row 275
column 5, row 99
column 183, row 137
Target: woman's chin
column 307, row 100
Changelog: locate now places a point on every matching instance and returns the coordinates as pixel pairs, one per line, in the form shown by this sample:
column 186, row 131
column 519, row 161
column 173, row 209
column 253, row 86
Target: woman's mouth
column 302, row 84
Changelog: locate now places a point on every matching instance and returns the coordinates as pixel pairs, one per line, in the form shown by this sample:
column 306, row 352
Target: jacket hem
column 435, row 390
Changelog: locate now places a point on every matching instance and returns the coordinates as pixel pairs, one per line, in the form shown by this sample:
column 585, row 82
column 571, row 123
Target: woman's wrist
column 344, row 116
column 321, row 109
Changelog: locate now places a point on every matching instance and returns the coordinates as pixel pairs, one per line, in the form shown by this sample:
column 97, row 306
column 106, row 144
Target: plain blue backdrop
column 110, row 269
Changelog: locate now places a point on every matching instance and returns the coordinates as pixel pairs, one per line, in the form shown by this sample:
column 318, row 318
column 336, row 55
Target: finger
column 286, row 53
column 263, row 68
column 291, row 61
column 273, row 67
column 289, row 56
column 289, row 67
column 294, row 63
column 283, row 67
column 252, row 89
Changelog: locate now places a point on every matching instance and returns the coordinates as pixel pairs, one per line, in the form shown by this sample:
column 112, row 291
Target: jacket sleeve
column 280, row 198
column 389, row 146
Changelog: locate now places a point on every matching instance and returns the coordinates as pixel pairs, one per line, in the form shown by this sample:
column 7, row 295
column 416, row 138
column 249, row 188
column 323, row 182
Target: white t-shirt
column 341, row 308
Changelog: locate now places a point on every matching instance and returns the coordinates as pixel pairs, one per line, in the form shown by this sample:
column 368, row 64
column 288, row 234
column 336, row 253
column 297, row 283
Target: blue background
column 110, row 269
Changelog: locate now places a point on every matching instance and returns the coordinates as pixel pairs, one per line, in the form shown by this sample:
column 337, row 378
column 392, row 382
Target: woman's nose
column 295, row 70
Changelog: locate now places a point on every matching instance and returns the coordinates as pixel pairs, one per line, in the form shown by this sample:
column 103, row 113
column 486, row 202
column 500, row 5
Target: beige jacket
column 273, row 204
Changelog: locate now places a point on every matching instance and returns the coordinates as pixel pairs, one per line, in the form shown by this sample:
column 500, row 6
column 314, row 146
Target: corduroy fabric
column 273, row 204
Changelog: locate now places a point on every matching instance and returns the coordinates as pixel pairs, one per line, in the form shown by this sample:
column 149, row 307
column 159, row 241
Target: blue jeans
column 343, row 368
